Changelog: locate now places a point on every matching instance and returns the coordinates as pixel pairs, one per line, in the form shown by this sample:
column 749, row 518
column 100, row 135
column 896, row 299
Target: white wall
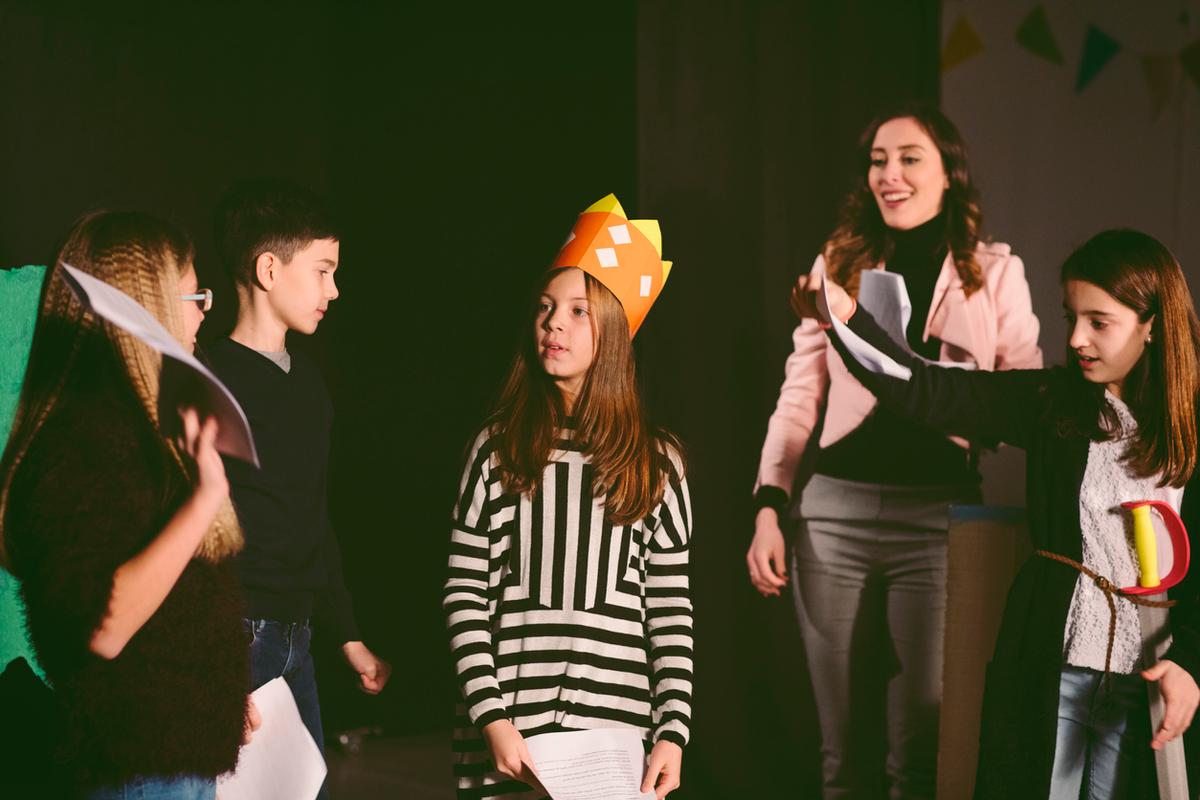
column 1056, row 167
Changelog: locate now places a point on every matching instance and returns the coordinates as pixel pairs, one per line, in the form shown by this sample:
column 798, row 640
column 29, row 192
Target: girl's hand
column 805, row 303
column 509, row 752
column 1180, row 695
column 662, row 769
column 765, row 558
column 199, row 442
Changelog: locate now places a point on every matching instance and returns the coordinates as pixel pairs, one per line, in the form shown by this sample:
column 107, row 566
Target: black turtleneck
column 885, row 448
column 918, row 255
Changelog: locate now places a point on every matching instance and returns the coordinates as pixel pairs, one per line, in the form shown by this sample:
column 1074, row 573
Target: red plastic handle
column 1180, row 546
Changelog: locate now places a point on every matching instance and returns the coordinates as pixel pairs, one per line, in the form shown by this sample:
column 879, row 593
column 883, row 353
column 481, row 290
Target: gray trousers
column 869, row 581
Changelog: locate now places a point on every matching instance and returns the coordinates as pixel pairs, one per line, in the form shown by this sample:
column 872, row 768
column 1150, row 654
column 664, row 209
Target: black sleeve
column 335, row 600
column 1185, row 615
column 1185, row 633
column 1000, row 406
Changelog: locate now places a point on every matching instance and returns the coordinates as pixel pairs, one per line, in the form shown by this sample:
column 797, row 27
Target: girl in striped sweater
column 567, row 598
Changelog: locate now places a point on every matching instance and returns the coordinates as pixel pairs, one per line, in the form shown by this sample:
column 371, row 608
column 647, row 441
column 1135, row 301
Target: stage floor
column 414, row 768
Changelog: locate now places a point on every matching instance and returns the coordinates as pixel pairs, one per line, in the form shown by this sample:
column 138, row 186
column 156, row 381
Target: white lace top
column 1108, row 550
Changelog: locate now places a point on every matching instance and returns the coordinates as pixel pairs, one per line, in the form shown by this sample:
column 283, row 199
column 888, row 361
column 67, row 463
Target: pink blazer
column 994, row 328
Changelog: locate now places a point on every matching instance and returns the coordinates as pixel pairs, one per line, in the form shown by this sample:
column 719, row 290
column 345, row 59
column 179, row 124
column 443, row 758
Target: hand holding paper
column 281, row 762
column 199, row 442
column 591, row 765
column 884, row 296
column 808, row 293
column 184, row 382
column 510, row 752
column 663, row 769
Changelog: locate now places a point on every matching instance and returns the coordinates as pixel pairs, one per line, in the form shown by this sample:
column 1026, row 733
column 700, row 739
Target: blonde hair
column 145, row 258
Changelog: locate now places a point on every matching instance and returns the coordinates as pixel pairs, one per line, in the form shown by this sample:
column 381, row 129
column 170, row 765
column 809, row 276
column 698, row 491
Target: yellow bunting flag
column 962, row 44
column 1160, row 74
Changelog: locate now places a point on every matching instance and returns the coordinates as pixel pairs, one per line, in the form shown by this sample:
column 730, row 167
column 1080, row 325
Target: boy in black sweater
column 281, row 249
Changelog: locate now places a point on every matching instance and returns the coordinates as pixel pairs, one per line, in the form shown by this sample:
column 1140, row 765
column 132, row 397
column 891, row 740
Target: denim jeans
column 281, row 650
column 1098, row 731
column 183, row 787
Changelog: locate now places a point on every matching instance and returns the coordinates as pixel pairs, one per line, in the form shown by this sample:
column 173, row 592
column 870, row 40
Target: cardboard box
column 987, row 546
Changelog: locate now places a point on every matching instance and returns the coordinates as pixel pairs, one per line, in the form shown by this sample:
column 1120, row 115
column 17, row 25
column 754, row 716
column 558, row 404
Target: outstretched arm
column 1001, row 406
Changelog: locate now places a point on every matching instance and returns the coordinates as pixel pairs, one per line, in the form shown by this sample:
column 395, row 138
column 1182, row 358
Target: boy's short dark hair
column 268, row 215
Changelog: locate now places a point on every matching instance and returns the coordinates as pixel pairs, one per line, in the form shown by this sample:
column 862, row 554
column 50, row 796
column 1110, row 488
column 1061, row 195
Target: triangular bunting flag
column 1036, row 36
column 1159, row 72
column 962, row 44
column 1189, row 57
column 1098, row 50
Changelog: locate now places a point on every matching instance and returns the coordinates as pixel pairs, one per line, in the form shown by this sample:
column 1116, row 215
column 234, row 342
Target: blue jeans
column 1098, row 732
column 183, row 787
column 281, row 650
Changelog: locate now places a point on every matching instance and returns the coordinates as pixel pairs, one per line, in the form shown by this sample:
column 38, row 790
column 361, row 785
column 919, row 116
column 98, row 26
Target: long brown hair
column 144, row 257
column 862, row 240
column 1142, row 274
column 628, row 456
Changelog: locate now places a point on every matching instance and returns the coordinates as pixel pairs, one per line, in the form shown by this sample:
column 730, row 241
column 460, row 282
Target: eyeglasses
column 202, row 298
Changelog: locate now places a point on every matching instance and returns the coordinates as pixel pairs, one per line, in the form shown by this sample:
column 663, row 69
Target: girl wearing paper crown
column 876, row 511
column 567, row 603
column 1065, row 701
column 121, row 538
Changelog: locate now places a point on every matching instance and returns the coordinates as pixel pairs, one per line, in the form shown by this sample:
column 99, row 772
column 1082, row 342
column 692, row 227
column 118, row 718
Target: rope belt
column 1106, row 586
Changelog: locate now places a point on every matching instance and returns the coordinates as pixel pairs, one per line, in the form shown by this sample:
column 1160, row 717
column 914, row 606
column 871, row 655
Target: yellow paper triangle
column 607, row 204
column 962, row 44
column 649, row 229
column 666, row 271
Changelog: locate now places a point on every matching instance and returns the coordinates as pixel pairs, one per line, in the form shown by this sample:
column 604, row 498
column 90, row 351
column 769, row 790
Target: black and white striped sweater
column 560, row 620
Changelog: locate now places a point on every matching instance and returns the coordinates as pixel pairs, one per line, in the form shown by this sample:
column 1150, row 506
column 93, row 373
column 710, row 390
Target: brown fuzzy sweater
column 92, row 491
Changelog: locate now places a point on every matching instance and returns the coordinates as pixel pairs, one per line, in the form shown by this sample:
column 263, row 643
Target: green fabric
column 20, row 290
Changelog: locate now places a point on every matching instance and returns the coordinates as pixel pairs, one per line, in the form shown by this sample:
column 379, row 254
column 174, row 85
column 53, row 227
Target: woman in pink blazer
column 868, row 570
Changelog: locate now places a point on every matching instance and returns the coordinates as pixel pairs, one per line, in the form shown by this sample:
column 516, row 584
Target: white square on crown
column 619, row 234
column 646, row 281
column 607, row 256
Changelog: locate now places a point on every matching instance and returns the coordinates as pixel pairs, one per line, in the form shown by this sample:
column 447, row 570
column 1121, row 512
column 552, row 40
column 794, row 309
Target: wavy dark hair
column 629, row 456
column 1160, row 391
column 862, row 240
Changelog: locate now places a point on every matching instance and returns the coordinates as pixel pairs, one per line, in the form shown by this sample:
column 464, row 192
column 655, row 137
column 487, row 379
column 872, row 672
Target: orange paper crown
column 623, row 254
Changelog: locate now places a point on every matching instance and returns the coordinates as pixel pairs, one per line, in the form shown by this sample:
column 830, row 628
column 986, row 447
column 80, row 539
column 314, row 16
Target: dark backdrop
column 459, row 143
column 748, row 116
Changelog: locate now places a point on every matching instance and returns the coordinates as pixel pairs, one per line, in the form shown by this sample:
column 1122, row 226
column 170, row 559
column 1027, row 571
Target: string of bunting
column 1036, row 35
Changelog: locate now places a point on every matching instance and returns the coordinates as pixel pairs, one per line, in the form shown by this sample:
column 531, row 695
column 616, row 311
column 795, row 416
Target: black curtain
column 748, row 116
column 459, row 142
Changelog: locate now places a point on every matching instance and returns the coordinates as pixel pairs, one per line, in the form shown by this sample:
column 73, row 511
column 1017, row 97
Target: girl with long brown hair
column 121, row 537
column 1065, row 701
column 875, row 513
column 567, row 599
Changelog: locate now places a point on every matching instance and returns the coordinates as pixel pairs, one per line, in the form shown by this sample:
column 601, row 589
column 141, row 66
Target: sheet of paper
column 282, row 762
column 864, row 353
column 184, row 381
column 606, row 764
column 885, row 296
